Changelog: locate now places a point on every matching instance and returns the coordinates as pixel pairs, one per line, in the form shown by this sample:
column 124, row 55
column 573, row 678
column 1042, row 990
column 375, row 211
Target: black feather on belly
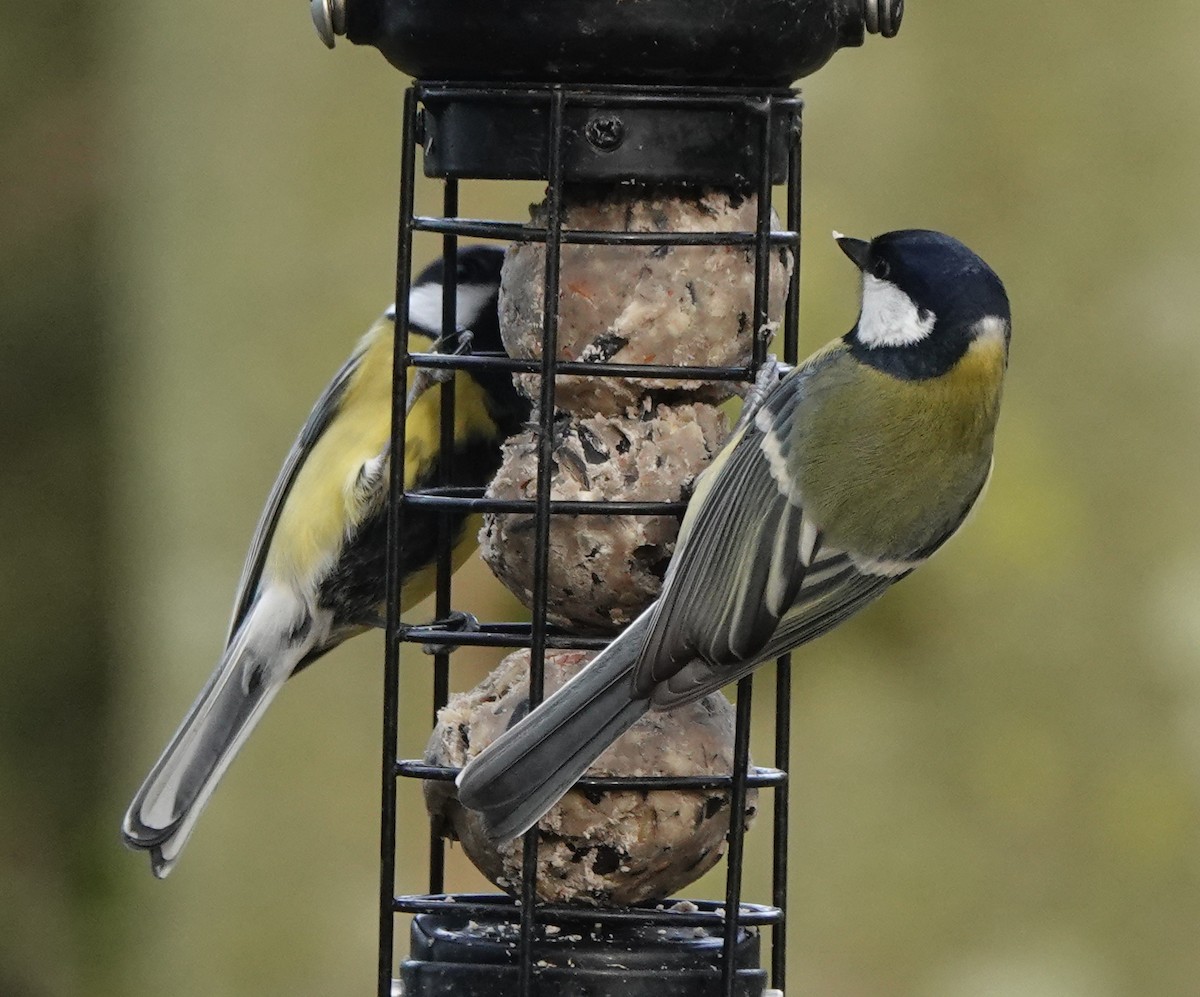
column 355, row 589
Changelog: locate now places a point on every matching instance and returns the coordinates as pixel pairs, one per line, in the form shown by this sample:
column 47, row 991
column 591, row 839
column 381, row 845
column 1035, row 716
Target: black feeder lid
column 767, row 43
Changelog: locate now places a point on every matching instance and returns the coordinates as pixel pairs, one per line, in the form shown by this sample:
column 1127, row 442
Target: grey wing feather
column 742, row 589
column 824, row 599
column 824, row 604
column 318, row 419
column 733, row 578
column 521, row 774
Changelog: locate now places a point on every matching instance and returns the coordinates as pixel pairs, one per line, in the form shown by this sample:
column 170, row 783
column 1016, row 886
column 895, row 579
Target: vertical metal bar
column 741, row 755
column 762, row 246
column 546, row 396
column 783, row 667
column 737, row 835
column 391, row 671
column 541, row 564
column 445, row 542
column 791, row 320
column 779, row 841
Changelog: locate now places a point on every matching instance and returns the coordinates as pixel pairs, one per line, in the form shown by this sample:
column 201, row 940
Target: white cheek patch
column 889, row 316
column 425, row 305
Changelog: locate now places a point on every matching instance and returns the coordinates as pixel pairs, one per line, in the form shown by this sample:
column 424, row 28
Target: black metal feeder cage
column 587, row 94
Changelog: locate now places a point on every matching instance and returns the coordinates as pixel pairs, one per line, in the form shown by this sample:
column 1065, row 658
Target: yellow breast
column 886, row 465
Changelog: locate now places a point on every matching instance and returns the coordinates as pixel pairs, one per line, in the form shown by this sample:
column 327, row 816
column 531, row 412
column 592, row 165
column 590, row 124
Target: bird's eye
column 881, row 269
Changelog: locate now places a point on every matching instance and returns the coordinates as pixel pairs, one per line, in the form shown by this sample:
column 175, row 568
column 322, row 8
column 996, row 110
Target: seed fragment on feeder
column 620, row 847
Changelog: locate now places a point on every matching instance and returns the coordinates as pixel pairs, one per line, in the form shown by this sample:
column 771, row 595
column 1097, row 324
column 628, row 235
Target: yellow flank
column 323, row 501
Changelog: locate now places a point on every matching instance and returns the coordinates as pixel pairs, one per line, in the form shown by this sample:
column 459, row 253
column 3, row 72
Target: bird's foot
column 426, row 377
column 456, row 621
column 769, row 374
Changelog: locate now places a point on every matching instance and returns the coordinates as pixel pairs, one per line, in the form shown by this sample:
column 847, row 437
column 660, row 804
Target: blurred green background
column 997, row 768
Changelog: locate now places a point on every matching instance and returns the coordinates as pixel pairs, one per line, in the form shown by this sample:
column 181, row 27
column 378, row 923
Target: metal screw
column 605, row 132
column 883, row 16
column 329, row 18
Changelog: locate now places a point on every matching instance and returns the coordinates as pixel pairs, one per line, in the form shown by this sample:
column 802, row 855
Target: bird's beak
column 858, row 250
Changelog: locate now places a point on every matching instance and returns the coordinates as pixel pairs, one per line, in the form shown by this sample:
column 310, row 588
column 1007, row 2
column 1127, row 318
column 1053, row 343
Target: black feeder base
column 456, row 955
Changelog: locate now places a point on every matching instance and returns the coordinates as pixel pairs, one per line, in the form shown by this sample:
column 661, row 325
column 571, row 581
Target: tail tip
column 160, row 865
column 137, row 837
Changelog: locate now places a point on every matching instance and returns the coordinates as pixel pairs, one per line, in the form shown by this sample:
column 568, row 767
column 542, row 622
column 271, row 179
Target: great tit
column 856, row 467
column 315, row 572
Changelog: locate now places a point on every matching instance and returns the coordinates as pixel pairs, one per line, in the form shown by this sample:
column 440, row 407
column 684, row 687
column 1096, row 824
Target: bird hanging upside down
column 315, row 572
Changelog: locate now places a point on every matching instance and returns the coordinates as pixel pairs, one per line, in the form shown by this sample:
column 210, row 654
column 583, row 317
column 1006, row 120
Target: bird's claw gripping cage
column 610, row 108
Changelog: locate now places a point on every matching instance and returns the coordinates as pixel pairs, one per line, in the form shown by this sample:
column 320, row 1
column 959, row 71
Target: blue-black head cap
column 925, row 298
column 477, row 264
column 937, row 272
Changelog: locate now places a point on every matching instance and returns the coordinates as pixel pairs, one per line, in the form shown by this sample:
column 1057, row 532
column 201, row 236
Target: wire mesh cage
column 566, row 135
